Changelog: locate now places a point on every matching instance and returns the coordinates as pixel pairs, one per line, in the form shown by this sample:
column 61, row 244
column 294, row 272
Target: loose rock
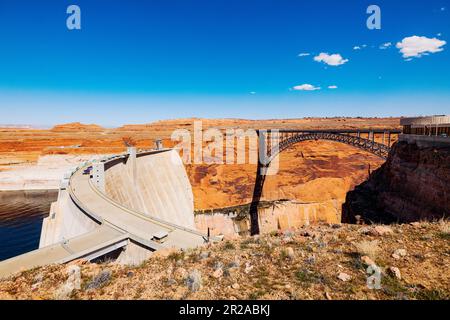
column 204, row 255
column 180, row 273
column 399, row 253
column 218, row 273
column 290, row 253
column 382, row 230
column 395, row 272
column 73, row 282
column 367, row 261
column 344, row 277
column 248, row 267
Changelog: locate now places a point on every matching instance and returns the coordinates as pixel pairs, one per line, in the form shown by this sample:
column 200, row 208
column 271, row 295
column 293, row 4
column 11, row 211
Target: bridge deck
column 350, row 131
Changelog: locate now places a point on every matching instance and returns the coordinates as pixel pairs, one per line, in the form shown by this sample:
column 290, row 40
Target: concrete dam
column 122, row 207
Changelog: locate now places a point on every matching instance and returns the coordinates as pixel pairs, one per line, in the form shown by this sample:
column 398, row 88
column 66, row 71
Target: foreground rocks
column 333, row 264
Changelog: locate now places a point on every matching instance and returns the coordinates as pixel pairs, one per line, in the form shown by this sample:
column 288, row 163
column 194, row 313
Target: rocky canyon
column 310, row 186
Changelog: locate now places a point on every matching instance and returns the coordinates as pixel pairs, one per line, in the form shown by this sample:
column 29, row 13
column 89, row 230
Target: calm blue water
column 21, row 215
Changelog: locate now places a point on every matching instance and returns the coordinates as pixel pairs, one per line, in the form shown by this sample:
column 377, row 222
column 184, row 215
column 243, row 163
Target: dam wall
column 65, row 221
column 156, row 186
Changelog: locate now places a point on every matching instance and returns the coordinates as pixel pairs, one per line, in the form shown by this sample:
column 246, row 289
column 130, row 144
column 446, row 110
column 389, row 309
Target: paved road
column 90, row 244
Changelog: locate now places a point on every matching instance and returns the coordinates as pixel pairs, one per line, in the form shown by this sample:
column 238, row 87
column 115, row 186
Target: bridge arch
column 379, row 149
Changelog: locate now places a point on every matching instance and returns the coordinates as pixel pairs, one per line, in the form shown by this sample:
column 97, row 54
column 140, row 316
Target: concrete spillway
column 131, row 204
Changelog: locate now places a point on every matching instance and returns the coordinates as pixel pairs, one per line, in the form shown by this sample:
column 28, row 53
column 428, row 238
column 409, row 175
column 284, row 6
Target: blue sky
column 138, row 61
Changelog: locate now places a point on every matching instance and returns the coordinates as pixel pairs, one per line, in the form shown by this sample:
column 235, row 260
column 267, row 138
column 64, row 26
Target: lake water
column 21, row 215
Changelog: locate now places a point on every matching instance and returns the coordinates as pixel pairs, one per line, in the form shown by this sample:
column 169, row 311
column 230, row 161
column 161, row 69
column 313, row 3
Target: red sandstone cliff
column 412, row 185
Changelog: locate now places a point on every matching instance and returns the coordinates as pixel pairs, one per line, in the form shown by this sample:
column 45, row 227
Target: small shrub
column 228, row 246
column 434, row 294
column 177, row 255
column 444, row 228
column 256, row 294
column 308, row 277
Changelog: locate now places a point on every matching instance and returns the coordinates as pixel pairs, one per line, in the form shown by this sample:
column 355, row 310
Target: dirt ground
column 316, row 262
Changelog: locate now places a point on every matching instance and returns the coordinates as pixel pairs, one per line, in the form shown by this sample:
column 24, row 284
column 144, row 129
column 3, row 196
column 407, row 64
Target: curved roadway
column 140, row 227
column 117, row 226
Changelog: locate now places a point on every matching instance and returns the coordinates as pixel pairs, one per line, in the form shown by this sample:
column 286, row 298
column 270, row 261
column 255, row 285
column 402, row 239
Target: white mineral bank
column 45, row 174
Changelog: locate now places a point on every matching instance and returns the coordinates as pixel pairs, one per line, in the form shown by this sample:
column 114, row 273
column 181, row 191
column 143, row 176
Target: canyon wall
column 272, row 216
column 310, row 186
column 412, row 185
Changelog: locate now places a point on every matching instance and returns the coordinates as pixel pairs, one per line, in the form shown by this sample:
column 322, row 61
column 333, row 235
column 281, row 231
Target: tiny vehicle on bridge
column 87, row 170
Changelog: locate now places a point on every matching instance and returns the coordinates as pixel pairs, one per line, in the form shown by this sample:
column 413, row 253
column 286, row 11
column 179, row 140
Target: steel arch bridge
column 271, row 145
column 283, row 139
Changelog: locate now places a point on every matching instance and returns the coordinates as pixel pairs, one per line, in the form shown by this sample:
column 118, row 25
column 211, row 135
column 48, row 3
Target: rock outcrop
column 77, row 127
column 412, row 185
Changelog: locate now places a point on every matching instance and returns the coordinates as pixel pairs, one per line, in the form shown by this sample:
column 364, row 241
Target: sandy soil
column 318, row 262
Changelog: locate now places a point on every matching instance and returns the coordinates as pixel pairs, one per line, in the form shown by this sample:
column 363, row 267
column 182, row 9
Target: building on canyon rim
column 428, row 126
column 412, row 185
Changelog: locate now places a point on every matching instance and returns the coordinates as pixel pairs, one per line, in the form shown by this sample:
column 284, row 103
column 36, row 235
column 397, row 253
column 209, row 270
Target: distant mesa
column 77, row 127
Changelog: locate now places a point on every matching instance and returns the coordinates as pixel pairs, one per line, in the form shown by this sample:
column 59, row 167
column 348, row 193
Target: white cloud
column 332, row 87
column 331, row 60
column 418, row 46
column 360, row 47
column 306, row 87
column 304, row 54
column 386, row 45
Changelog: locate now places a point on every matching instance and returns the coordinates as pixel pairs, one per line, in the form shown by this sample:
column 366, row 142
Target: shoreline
column 26, row 190
column 45, row 174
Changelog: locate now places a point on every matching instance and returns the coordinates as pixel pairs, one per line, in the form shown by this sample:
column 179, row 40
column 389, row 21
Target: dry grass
column 368, row 248
column 444, row 229
column 444, row 226
column 252, row 269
